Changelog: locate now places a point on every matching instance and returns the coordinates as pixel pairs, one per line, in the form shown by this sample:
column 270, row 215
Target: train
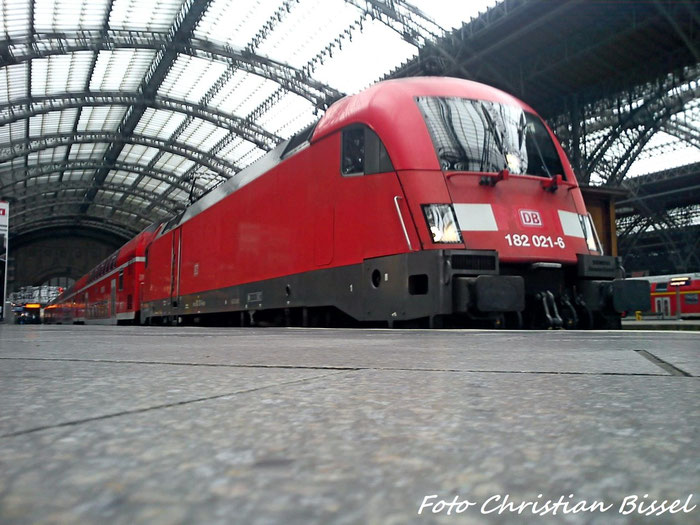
column 676, row 295
column 426, row 201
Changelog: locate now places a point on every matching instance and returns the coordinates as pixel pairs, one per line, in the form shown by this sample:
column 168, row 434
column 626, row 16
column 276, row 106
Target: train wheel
column 607, row 322
column 436, row 321
column 568, row 315
column 514, row 320
column 585, row 316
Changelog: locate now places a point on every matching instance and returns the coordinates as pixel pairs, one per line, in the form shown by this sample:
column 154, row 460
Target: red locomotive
column 433, row 200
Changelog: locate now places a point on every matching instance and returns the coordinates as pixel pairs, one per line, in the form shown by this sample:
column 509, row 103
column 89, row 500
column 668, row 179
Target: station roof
column 116, row 113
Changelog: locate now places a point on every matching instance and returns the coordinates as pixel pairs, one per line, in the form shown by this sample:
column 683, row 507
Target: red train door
column 663, row 306
column 113, row 300
column 175, row 263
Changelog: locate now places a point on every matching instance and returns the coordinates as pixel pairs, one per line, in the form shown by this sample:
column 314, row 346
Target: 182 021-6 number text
column 538, row 241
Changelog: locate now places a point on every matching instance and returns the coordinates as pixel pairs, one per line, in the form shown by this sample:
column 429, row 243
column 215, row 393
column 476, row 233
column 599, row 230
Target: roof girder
column 683, row 131
column 39, row 190
column 48, row 168
column 25, row 108
column 654, row 112
column 125, row 231
column 414, row 26
column 290, row 78
column 108, row 204
column 16, row 149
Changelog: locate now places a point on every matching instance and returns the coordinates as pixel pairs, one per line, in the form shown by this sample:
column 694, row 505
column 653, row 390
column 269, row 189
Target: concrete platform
column 661, row 324
column 297, row 426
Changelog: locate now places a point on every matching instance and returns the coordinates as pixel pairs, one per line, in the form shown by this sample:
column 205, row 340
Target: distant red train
column 669, row 292
column 423, row 201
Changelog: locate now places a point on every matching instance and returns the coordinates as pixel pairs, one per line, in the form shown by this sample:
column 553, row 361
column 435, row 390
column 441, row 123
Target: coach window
column 121, row 280
column 363, row 153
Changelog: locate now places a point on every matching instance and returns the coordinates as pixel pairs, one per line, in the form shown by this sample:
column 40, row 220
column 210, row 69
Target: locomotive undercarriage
column 431, row 288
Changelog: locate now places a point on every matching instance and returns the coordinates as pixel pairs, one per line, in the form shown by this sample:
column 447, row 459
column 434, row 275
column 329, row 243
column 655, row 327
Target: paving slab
column 341, row 426
column 546, row 351
column 38, row 394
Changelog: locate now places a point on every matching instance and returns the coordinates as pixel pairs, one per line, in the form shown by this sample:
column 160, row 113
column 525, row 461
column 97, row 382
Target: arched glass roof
column 113, row 112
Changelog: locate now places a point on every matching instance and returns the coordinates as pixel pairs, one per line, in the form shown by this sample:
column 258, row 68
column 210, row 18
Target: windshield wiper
column 492, row 133
column 539, row 152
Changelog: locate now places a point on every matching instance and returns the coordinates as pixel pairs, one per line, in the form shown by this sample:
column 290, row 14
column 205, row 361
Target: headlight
column 442, row 223
column 591, row 235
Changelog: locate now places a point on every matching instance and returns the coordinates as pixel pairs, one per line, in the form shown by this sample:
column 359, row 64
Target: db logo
column 530, row 218
column 2, row 211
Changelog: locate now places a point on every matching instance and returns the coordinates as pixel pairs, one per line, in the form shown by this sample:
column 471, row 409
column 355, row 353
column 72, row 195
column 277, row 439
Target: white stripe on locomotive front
column 571, row 224
column 476, row 217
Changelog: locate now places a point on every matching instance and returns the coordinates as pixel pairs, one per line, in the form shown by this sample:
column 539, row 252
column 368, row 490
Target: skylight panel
column 153, row 185
column 137, row 15
column 137, row 154
column 13, row 82
column 48, row 155
column 350, row 70
column 250, row 157
column 212, row 182
column 121, row 69
column 92, row 150
column 243, row 93
column 191, row 77
column 136, row 200
column 60, row 73
column 240, row 152
column 202, row 135
column 14, row 18
column 289, row 115
column 235, row 22
column 179, row 195
column 122, row 217
column 106, row 195
column 13, row 132
column 68, row 194
column 69, row 15
column 161, row 187
column 159, row 123
column 101, row 118
column 12, row 170
column 52, row 122
column 171, row 162
column 126, row 178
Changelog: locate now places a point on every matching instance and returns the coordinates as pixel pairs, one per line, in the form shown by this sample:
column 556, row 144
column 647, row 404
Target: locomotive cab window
column 484, row 136
column 363, row 153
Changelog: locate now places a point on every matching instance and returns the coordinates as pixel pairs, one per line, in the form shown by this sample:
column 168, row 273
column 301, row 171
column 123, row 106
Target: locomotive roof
column 389, row 108
column 385, row 99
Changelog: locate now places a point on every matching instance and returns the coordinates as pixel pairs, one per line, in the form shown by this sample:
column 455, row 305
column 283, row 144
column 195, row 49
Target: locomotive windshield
column 482, row 136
